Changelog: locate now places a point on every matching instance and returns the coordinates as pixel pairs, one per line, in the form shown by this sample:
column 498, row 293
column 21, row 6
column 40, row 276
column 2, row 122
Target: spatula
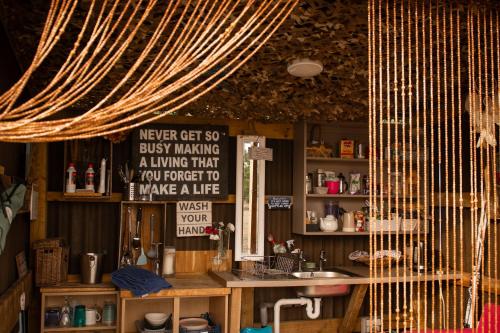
column 142, row 260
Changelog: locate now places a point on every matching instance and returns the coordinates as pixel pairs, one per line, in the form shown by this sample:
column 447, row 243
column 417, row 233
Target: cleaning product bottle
column 71, row 180
column 89, row 178
column 102, row 177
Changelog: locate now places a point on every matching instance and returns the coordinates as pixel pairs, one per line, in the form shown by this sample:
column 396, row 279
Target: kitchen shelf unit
column 303, row 164
column 88, row 295
column 190, row 296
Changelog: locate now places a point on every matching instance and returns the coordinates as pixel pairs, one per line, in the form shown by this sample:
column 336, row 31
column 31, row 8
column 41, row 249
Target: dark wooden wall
column 94, row 226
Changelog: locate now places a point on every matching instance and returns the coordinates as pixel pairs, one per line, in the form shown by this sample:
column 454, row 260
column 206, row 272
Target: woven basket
column 51, row 262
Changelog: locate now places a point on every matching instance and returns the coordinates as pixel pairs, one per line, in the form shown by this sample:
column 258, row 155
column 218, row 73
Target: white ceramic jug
column 328, row 223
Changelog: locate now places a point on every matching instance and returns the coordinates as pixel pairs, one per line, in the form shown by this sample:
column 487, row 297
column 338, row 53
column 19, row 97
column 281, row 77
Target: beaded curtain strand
column 419, row 133
column 194, row 46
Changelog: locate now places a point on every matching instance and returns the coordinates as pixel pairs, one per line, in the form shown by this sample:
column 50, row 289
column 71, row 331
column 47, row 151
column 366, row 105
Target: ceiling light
column 305, row 68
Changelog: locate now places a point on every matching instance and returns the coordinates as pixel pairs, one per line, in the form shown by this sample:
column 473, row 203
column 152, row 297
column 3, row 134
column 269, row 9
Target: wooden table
column 361, row 280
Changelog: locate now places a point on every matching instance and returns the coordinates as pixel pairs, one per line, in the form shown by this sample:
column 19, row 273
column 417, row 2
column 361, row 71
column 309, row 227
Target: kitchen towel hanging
column 11, row 200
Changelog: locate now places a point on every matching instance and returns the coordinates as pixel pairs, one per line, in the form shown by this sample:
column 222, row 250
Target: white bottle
column 102, row 177
column 89, row 178
column 71, row 179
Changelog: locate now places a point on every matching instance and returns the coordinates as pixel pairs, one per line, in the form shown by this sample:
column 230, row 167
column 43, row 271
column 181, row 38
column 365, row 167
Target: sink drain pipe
column 312, row 309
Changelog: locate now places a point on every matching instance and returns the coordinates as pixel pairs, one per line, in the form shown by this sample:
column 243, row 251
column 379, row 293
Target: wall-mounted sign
column 183, row 161
column 277, row 202
column 193, row 217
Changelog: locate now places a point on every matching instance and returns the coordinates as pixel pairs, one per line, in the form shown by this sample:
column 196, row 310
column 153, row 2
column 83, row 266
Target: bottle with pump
column 71, row 178
column 89, row 178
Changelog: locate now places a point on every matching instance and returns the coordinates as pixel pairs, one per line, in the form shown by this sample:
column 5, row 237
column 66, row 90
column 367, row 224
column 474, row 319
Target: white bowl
column 320, row 190
column 193, row 324
column 156, row 318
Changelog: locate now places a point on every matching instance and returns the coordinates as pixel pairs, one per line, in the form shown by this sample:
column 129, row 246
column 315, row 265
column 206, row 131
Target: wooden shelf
column 342, row 196
column 337, row 159
column 85, row 328
column 363, row 233
column 59, row 196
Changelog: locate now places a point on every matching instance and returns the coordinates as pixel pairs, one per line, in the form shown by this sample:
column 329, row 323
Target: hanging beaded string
column 371, row 160
column 495, row 156
column 425, row 14
column 420, row 215
column 460, row 159
column 454, row 175
column 446, row 262
column 407, row 181
column 85, row 68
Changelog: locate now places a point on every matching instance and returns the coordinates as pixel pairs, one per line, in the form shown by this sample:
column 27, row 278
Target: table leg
column 352, row 312
column 235, row 310
column 247, row 307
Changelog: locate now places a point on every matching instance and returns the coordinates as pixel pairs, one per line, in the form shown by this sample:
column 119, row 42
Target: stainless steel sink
column 318, row 275
column 322, row 291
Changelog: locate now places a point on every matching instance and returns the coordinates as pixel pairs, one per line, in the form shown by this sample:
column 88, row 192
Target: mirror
column 250, row 184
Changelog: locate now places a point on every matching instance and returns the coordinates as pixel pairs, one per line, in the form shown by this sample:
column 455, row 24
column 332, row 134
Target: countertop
column 188, row 285
column 361, row 276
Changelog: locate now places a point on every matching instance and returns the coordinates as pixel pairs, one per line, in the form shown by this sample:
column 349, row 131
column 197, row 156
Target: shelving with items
column 343, row 179
column 325, row 159
column 88, row 166
column 191, row 296
column 90, row 296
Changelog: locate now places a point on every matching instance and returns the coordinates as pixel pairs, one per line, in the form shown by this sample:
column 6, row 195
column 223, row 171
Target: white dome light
column 305, row 68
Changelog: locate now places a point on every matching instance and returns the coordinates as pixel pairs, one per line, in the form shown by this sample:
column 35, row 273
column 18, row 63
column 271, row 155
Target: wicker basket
column 51, row 262
column 384, row 262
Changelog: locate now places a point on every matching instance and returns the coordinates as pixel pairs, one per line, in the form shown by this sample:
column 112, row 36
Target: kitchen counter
column 187, row 285
column 361, row 275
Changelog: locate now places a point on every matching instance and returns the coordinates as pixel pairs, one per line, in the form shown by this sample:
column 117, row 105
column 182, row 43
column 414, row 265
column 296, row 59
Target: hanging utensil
column 126, row 259
column 142, row 260
column 136, row 240
column 151, row 253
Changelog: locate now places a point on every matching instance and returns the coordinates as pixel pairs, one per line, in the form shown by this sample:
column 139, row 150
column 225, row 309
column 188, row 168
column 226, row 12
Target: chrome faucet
column 301, row 260
column 322, row 259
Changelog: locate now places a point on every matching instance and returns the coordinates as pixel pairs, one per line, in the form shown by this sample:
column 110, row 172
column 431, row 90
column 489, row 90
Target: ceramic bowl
column 156, row 319
column 320, row 190
column 193, row 324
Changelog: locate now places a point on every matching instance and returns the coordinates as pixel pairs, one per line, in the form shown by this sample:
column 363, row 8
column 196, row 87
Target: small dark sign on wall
column 279, row 202
column 182, row 161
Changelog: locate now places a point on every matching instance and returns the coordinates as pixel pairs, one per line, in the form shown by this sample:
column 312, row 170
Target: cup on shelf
column 92, row 317
column 79, row 316
column 333, row 186
column 109, row 314
column 52, row 317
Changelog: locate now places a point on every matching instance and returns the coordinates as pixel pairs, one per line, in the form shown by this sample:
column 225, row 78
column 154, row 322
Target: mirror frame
column 261, row 171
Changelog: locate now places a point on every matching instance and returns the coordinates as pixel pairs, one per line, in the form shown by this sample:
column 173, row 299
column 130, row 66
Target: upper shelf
column 350, row 196
column 337, row 159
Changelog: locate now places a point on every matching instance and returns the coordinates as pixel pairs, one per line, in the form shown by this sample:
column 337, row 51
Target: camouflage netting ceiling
column 333, row 32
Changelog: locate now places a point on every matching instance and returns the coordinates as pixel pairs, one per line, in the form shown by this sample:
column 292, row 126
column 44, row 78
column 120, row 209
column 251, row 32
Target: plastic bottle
column 71, row 179
column 102, row 177
column 89, row 178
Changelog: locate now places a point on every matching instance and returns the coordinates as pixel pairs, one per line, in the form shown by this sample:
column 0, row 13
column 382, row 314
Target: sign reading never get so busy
column 185, row 162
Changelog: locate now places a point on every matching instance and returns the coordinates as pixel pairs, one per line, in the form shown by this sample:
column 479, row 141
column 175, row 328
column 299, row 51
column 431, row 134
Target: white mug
column 92, row 316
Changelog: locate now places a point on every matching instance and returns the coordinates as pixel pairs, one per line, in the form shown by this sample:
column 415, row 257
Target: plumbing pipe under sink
column 313, row 308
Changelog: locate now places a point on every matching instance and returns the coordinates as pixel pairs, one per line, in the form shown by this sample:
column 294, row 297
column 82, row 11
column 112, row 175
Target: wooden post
column 235, row 310
column 352, row 312
column 38, row 173
column 247, row 307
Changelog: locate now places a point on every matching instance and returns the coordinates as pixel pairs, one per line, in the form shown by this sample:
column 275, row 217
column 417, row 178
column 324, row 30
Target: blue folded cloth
column 139, row 281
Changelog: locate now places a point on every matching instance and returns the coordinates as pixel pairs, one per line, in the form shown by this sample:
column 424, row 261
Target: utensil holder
column 130, row 191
